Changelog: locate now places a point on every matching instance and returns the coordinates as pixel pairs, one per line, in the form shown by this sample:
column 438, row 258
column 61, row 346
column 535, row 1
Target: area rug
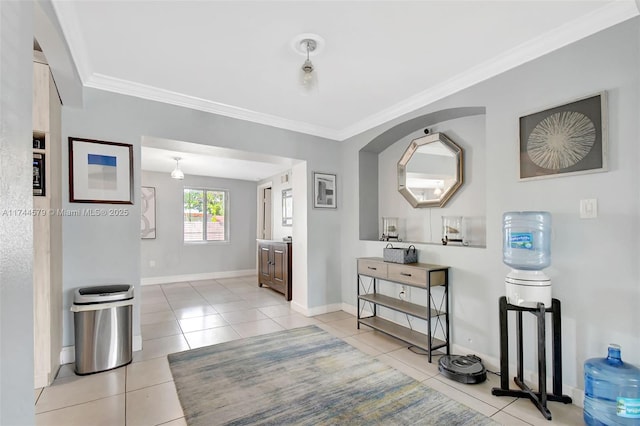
column 304, row 376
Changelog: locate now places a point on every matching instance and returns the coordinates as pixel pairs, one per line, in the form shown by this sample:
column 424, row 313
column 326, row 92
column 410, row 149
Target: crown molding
column 598, row 20
column 68, row 19
column 125, row 87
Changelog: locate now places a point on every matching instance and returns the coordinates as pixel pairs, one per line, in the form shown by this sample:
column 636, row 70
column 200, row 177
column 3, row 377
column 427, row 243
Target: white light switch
column 589, row 208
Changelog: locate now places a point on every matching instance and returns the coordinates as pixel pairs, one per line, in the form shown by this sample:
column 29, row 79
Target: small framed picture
column 324, row 191
column 568, row 139
column 38, row 175
column 148, row 210
column 287, row 207
column 100, row 172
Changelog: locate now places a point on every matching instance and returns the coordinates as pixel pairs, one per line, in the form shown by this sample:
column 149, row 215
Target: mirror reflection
column 430, row 171
column 287, row 207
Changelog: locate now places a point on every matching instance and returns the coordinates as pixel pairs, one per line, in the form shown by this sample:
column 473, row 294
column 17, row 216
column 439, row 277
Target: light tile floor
column 181, row 316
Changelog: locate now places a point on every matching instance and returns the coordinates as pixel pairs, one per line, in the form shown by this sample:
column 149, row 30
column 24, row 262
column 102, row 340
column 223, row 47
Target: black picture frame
column 564, row 140
column 100, row 171
column 39, row 184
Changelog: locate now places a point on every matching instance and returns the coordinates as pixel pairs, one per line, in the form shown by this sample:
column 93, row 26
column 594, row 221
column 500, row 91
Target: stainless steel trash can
column 102, row 317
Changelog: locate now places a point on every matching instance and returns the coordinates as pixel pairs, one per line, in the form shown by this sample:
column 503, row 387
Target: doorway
column 264, row 218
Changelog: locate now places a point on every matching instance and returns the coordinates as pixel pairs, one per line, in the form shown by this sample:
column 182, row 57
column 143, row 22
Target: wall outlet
column 589, row 208
column 405, row 293
column 152, row 263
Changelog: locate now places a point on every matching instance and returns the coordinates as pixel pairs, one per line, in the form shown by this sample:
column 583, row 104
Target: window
column 204, row 214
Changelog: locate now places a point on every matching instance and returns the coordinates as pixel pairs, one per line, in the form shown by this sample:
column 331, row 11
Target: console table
column 541, row 397
column 435, row 311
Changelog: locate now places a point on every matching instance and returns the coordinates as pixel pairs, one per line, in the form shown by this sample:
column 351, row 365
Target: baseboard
column 68, row 353
column 492, row 363
column 530, row 377
column 350, row 309
column 137, row 343
column 318, row 310
column 196, row 277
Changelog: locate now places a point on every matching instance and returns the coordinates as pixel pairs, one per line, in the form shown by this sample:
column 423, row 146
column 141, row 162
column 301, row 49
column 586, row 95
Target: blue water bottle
column 611, row 390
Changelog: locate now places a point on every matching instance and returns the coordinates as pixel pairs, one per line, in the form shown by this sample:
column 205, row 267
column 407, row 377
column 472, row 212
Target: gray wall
column 595, row 272
column 16, row 229
column 172, row 256
column 94, row 246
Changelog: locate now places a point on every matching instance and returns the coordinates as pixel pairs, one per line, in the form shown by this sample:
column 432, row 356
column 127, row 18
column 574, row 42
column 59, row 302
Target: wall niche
column 378, row 181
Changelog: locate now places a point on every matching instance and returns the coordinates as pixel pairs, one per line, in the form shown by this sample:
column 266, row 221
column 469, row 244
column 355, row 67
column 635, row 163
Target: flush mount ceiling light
column 308, row 45
column 177, row 173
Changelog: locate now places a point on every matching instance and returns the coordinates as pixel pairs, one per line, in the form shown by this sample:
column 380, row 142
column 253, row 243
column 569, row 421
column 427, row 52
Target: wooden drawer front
column 372, row 268
column 408, row 275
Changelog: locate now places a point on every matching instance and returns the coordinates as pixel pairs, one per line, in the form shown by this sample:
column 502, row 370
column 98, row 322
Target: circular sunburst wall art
column 561, row 140
column 567, row 139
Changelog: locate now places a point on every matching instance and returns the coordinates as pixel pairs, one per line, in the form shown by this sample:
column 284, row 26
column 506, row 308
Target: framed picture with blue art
column 100, row 172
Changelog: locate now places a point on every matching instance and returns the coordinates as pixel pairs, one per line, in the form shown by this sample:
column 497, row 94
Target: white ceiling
column 157, row 155
column 381, row 59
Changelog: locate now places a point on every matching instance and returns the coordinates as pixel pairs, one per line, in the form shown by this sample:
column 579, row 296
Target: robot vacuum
column 463, row 368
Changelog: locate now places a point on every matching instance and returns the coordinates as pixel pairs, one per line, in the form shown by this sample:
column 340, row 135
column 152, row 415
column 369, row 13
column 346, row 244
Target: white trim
column 69, row 24
column 609, row 15
column 67, row 355
column 196, row 277
column 598, row 20
column 137, row 343
column 116, row 85
column 493, row 364
column 318, row 310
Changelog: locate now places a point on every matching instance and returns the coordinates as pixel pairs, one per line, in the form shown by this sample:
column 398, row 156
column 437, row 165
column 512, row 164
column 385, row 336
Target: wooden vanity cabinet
column 274, row 266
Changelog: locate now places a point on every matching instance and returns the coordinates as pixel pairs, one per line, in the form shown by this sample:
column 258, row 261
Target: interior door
column 266, row 213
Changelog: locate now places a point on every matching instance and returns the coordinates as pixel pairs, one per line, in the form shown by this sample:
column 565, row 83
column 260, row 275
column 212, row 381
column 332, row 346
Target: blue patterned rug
column 304, row 376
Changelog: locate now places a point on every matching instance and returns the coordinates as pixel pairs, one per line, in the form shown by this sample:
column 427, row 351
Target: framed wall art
column 565, row 140
column 148, row 210
column 287, row 207
column 38, row 175
column 100, row 172
column 324, row 191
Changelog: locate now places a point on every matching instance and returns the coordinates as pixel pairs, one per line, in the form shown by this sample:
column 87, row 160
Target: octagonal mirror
column 430, row 171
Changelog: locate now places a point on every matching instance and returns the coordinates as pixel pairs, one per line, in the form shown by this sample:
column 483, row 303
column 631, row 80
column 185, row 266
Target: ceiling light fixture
column 177, row 173
column 308, row 45
column 309, row 79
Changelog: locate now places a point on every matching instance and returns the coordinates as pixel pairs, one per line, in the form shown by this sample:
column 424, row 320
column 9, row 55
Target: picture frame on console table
column 100, row 172
column 324, row 191
column 565, row 140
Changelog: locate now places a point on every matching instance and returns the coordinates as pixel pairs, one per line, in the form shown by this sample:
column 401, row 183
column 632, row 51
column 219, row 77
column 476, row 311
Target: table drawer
column 372, row 268
column 408, row 275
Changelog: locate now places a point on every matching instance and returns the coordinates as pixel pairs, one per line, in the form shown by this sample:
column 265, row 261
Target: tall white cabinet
column 47, row 227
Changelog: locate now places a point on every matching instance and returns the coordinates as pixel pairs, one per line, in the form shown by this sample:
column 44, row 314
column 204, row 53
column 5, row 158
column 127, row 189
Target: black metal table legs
column 540, row 397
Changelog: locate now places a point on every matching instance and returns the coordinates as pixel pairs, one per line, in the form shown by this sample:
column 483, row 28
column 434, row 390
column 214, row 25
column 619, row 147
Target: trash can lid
column 103, row 294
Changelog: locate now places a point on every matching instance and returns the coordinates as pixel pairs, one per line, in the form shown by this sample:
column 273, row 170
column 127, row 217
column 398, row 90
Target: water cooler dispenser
column 526, row 249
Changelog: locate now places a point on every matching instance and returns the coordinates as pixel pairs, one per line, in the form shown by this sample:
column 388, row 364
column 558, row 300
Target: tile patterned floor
column 181, row 316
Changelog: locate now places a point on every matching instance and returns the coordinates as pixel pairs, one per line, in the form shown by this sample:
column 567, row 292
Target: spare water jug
column 527, row 240
column 611, row 390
